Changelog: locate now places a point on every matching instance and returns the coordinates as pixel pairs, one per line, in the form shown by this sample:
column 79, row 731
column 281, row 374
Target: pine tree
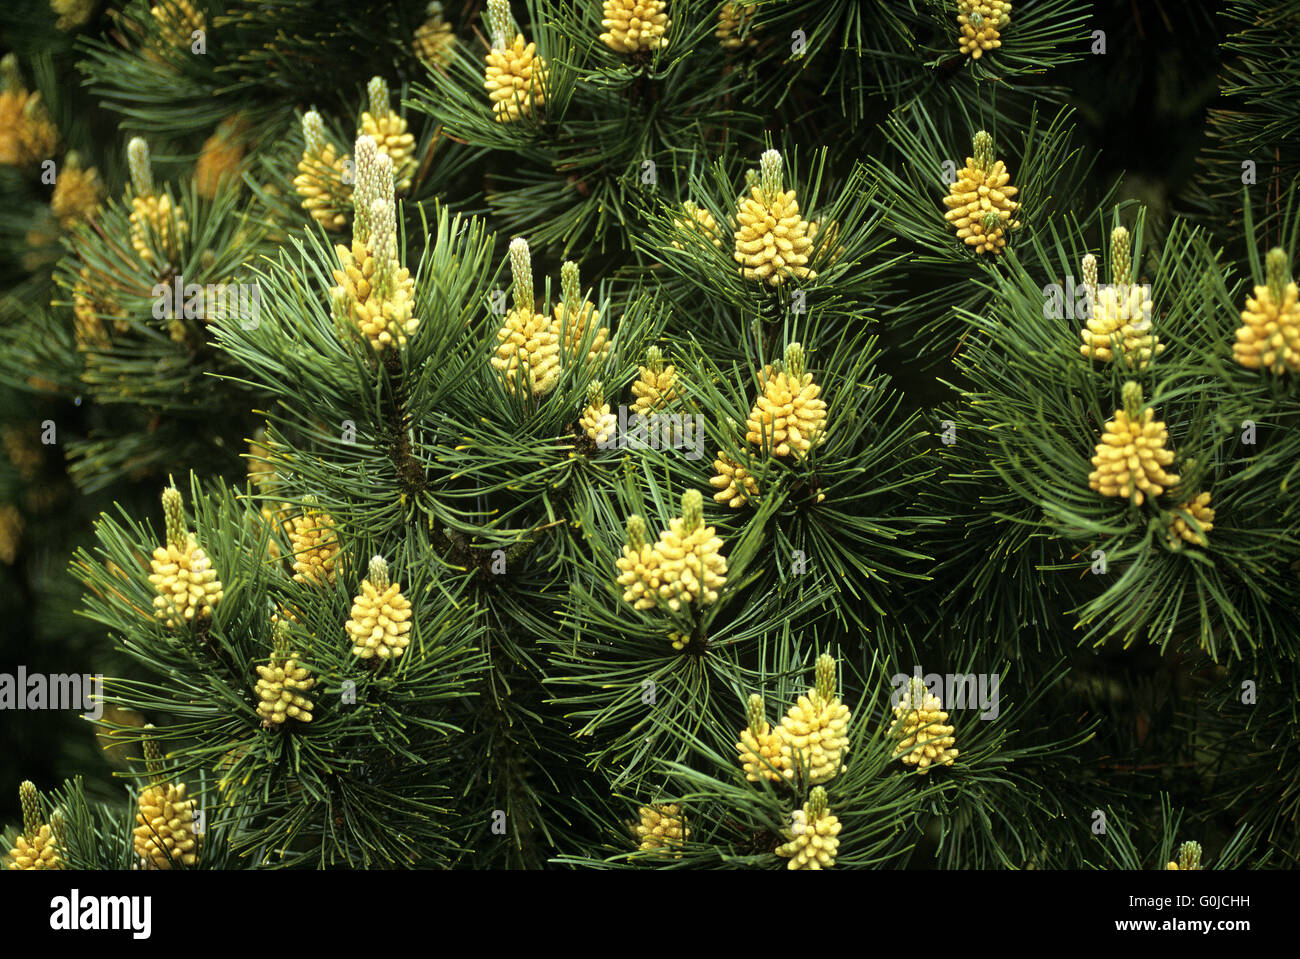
column 634, row 407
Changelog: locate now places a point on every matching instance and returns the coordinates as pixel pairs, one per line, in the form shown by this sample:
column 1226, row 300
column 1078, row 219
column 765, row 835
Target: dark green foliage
column 945, row 525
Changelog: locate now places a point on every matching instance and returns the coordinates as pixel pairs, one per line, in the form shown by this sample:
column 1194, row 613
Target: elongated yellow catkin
column 656, row 384
column 813, row 835
column 789, row 417
column 516, row 76
column 434, row 41
column 380, row 623
column 315, row 547
column 36, row 847
column 692, row 567
column 760, row 746
column 1131, row 458
column 322, row 171
column 1269, row 336
column 165, row 837
column 981, row 23
column 772, row 242
column 186, row 584
column 662, row 827
column 814, row 733
column 634, row 26
column 979, row 200
column 920, row 727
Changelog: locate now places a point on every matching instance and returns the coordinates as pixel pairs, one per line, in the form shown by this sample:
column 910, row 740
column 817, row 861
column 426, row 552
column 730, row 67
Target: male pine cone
column 529, row 342
column 315, row 547
column 77, row 193
column 166, row 837
column 177, row 22
column 280, row 689
column 734, row 482
column 1131, row 456
column 321, row 172
column 597, row 421
column 733, row 19
column 26, row 134
column 919, row 726
column 760, row 746
column 814, row 734
column 700, row 221
column 662, row 827
column 979, row 201
column 577, row 321
column 152, row 216
column 383, row 317
column 515, row 78
column 980, row 23
column 221, row 158
column 528, row 339
column 1200, row 510
column 789, row 417
column 1121, row 317
column 186, row 584
column 1269, row 337
column 772, row 242
column 183, row 577
column 1120, row 313
column 36, row 847
column 640, row 567
column 389, row 132
column 633, row 26
column 692, row 567
column 655, row 386
column 38, row 851
column 813, row 835
column 381, row 616
column 434, row 40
